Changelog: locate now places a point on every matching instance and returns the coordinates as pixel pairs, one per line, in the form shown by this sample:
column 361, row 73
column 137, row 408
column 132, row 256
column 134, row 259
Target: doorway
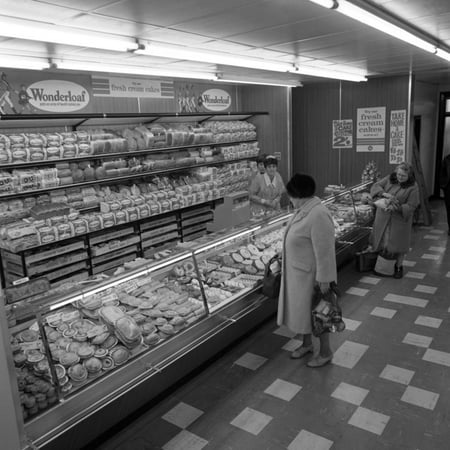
column 443, row 138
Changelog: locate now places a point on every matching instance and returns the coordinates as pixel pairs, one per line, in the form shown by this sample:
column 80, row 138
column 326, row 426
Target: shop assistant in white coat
column 267, row 188
column 309, row 258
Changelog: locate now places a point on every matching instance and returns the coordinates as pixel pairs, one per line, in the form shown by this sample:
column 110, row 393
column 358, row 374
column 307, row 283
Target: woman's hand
column 324, row 287
column 386, row 195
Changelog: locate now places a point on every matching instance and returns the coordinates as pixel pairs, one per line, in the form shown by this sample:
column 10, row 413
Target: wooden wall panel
column 273, row 129
column 314, row 107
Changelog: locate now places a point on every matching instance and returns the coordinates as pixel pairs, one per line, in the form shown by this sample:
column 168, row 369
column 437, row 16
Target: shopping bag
column 365, row 261
column 326, row 314
column 385, row 265
column 272, row 278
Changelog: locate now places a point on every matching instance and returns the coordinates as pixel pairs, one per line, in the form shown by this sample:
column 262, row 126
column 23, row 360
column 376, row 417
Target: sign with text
column 397, row 136
column 37, row 92
column 131, row 87
column 370, row 129
column 343, row 133
column 203, row 98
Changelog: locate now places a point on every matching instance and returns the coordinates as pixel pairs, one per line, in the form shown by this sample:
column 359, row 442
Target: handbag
column 272, row 279
column 365, row 261
column 326, row 314
column 385, row 265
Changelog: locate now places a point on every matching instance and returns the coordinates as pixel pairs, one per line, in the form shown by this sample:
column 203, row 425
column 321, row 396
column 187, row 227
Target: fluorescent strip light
column 223, row 59
column 182, row 53
column 329, row 73
column 443, row 54
column 31, row 63
column 131, row 70
column 374, row 21
column 380, row 24
column 264, row 83
column 46, row 32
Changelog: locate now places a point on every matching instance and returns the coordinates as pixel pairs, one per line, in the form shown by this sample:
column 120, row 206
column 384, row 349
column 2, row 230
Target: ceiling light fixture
column 19, row 62
column 183, row 53
column 132, row 70
column 329, row 73
column 372, row 20
column 443, row 54
column 263, row 83
column 46, row 32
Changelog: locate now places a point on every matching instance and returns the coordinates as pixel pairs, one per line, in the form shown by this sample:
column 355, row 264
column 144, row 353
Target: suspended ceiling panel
column 276, row 30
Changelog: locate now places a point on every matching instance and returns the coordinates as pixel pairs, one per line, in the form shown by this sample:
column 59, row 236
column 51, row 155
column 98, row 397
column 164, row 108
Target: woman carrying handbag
column 396, row 197
column 308, row 259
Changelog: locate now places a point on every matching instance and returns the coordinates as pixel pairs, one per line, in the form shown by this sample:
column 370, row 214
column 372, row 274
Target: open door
column 443, row 138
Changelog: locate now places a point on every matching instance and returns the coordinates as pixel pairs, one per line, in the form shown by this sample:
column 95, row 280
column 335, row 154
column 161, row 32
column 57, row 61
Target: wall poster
column 397, row 137
column 343, row 133
column 370, row 129
column 37, row 92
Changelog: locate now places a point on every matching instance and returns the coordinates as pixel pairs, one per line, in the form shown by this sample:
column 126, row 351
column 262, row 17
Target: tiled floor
column 388, row 386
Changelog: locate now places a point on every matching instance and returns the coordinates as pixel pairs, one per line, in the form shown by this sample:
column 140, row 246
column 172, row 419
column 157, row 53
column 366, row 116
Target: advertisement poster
column 131, row 87
column 370, row 129
column 343, row 133
column 397, row 136
column 32, row 92
column 193, row 98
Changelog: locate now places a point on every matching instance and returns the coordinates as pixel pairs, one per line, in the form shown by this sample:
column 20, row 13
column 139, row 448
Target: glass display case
column 85, row 360
column 353, row 215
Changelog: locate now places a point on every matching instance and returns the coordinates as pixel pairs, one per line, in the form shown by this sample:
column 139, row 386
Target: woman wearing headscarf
column 393, row 219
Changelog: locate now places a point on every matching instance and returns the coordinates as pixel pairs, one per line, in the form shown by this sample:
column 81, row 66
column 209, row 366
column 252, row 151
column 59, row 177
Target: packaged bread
column 81, row 136
column 37, row 154
column 20, row 155
column 47, row 234
column 147, row 135
column 69, row 150
column 5, row 142
column 108, row 219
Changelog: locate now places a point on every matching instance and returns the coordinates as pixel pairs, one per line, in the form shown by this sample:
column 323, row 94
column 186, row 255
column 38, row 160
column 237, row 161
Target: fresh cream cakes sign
column 370, row 129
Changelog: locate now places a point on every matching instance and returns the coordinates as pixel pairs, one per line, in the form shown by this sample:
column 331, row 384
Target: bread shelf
column 118, row 154
column 115, row 180
column 109, row 119
column 94, row 234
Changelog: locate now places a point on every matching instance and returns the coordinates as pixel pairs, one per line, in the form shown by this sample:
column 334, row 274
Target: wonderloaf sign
column 57, row 96
column 215, row 100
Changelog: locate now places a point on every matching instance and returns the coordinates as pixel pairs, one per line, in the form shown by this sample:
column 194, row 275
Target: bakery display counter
column 81, row 357
column 83, row 360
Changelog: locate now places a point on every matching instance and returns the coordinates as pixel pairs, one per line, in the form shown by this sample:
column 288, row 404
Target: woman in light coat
column 393, row 221
column 309, row 259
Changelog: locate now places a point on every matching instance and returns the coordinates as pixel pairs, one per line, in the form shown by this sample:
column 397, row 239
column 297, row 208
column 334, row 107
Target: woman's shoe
column 301, row 351
column 398, row 271
column 319, row 361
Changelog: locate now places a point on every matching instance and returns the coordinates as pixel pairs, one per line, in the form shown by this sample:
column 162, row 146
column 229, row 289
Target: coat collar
column 306, row 208
column 268, row 182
